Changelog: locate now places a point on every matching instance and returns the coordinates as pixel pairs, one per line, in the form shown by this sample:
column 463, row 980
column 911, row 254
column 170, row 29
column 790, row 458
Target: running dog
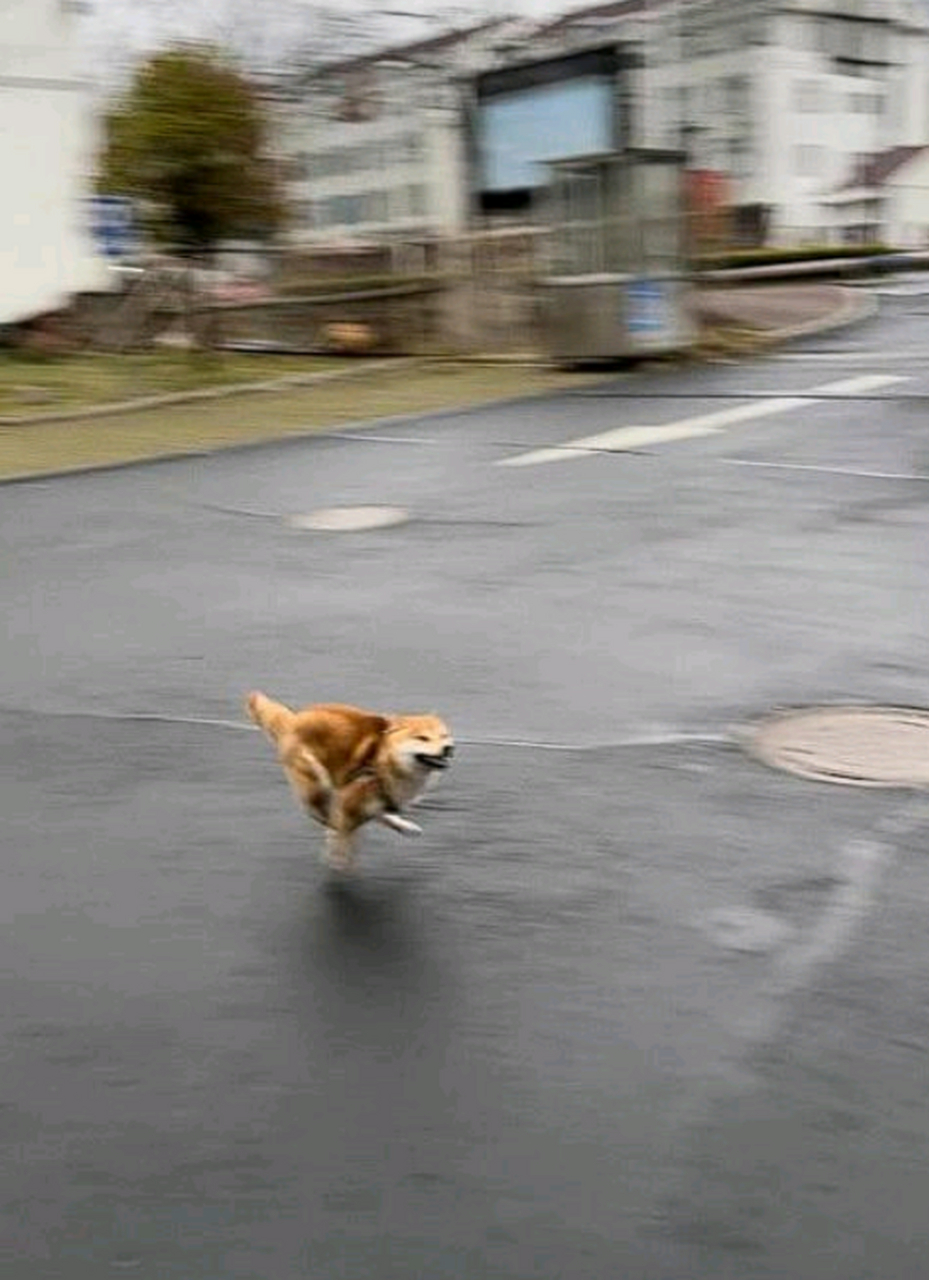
column 348, row 767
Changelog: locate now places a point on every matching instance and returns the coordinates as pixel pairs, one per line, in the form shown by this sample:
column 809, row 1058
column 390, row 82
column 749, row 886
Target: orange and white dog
column 348, row 767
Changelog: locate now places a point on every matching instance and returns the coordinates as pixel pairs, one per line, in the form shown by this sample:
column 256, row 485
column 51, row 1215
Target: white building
column 886, row 201
column 785, row 97
column 375, row 148
column 47, row 143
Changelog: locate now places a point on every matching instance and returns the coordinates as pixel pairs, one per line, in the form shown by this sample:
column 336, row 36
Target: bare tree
column 270, row 37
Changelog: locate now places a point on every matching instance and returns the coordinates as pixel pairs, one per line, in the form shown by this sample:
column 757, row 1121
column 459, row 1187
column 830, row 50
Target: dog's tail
column 272, row 717
column 277, row 721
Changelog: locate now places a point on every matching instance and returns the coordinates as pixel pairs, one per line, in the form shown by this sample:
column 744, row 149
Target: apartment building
column 375, row 147
column 786, row 99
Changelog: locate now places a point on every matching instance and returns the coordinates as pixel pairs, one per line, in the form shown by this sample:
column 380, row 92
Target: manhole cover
column 349, row 519
column 855, row 746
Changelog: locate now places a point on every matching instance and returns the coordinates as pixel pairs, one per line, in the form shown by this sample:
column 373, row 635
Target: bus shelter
column 616, row 279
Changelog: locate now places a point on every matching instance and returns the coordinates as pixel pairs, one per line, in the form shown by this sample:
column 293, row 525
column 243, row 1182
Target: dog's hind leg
column 346, row 813
column 339, row 852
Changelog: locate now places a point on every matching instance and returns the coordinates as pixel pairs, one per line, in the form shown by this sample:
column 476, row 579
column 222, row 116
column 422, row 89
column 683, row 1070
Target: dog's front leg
column 402, row 825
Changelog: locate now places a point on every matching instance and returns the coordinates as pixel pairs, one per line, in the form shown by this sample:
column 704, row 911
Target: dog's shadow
column 365, row 932
column 371, row 968
column 367, row 918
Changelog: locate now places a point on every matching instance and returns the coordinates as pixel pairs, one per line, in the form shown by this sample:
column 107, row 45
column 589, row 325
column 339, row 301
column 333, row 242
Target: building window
column 409, row 148
column 865, row 103
column 740, row 156
column 418, row 200
column 377, row 206
column 807, row 160
column 736, row 93
column 807, row 95
column 824, row 38
column 344, row 211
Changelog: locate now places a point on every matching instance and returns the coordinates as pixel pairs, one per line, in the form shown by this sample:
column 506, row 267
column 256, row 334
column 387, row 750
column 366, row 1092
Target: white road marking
column 850, row 357
column 658, row 736
column 830, row 471
column 858, row 386
column 862, row 864
column 901, row 290
column 625, row 439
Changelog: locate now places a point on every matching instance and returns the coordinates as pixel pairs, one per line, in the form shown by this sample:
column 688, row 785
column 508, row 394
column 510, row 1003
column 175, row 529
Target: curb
column 116, row 408
column 335, row 432
column 857, row 308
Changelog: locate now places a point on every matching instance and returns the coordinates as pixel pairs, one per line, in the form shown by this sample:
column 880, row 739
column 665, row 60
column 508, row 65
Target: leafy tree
column 187, row 141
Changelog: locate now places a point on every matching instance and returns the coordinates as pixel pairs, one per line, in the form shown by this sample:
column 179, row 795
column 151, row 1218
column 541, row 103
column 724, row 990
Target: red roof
column 876, row 169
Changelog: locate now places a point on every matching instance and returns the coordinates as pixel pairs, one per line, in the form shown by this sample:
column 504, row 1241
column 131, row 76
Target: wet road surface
column 634, row 1005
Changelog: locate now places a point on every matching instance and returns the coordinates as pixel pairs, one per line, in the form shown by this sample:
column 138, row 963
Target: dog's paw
column 338, row 855
column 401, row 825
column 339, row 865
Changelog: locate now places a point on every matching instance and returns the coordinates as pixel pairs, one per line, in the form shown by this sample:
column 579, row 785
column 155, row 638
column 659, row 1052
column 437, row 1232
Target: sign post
column 113, row 226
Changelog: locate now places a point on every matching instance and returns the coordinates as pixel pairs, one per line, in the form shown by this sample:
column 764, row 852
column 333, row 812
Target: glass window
column 419, row 201
column 806, row 95
column 807, row 160
column 377, row 206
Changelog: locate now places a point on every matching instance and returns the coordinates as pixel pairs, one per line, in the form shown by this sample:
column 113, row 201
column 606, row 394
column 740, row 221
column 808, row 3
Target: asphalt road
column 527, row 1045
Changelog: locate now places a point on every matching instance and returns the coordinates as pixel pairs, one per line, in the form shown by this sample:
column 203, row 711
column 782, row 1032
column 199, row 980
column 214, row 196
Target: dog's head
column 418, row 743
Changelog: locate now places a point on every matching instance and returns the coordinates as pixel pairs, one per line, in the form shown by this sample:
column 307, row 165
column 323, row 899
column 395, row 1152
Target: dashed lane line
column 624, row 439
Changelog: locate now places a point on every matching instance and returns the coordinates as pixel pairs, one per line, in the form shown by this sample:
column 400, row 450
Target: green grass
column 36, row 384
column 42, row 448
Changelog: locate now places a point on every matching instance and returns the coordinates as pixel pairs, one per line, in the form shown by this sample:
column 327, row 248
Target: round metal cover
column 349, row 519
column 853, row 746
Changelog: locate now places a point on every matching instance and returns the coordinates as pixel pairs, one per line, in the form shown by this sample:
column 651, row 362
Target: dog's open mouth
column 434, row 762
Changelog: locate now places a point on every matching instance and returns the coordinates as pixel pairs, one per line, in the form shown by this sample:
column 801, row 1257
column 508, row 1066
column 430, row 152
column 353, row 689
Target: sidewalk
column 779, row 312
column 736, row 321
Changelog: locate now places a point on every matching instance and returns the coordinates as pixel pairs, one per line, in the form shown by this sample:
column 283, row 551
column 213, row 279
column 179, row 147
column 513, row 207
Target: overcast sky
column 148, row 19
column 118, row 30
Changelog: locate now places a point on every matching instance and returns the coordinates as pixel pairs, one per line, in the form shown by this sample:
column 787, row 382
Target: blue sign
column 647, row 309
column 113, row 226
